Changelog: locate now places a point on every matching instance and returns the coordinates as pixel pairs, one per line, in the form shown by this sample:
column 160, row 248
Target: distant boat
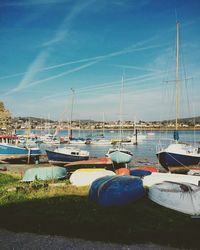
column 178, row 154
column 116, row 190
column 100, row 142
column 182, row 197
column 119, row 154
column 67, row 154
column 78, row 141
column 44, row 173
column 14, row 153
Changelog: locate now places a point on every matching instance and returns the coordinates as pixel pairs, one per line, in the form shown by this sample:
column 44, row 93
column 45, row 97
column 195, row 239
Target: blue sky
column 51, row 46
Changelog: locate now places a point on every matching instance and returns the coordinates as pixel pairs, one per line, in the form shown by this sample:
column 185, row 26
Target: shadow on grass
column 76, row 216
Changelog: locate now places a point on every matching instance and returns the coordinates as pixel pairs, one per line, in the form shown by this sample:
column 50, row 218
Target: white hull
column 85, row 177
column 155, row 178
column 182, row 197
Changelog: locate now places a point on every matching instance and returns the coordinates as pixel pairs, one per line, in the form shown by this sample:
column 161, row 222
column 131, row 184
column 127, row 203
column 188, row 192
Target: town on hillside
column 8, row 124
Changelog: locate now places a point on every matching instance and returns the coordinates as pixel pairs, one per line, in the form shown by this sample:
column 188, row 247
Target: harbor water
column 144, row 152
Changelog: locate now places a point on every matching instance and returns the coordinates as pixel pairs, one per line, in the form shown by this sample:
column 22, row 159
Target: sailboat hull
column 56, row 156
column 168, row 159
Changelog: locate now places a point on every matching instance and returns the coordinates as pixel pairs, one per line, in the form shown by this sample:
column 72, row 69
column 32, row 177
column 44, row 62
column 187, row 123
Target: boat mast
column 121, row 103
column 72, row 106
column 177, row 74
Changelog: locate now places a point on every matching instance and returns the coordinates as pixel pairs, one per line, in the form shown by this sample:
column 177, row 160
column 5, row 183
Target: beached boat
column 44, row 173
column 119, row 154
column 14, row 153
column 139, row 172
column 67, row 154
column 116, row 190
column 178, row 154
column 155, row 178
column 182, row 197
column 85, row 177
column 100, row 162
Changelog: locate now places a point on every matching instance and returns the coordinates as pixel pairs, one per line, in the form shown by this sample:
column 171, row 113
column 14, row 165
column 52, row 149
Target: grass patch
column 66, row 211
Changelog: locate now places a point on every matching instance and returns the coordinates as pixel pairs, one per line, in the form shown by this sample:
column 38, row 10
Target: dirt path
column 26, row 241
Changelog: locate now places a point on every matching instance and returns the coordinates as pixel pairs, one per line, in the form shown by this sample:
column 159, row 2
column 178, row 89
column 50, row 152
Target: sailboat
column 178, row 154
column 101, row 140
column 118, row 153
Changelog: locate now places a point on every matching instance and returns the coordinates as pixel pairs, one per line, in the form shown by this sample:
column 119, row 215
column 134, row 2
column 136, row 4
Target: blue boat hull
column 15, row 150
column 176, row 160
column 16, row 154
column 55, row 156
column 116, row 191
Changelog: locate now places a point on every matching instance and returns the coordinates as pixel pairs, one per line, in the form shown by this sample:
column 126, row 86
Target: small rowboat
column 182, row 197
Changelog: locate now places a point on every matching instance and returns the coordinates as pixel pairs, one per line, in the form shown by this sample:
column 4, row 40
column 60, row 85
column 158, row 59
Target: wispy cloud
column 33, row 68
column 40, row 60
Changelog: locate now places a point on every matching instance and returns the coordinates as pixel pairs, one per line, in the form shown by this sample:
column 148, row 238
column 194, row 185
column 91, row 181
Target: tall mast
column 177, row 73
column 121, row 108
column 73, row 92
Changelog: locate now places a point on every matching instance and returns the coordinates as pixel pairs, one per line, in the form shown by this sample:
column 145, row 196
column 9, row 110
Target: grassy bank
column 66, row 211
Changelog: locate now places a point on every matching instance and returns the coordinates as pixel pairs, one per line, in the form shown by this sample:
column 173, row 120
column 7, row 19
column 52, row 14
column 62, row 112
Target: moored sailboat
column 178, row 154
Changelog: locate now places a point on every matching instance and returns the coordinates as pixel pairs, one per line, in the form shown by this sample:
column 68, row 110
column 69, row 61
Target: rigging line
column 85, row 89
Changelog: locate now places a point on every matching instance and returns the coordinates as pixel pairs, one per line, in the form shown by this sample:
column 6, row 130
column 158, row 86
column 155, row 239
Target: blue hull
column 15, row 150
column 16, row 154
column 116, row 191
column 176, row 160
column 55, row 156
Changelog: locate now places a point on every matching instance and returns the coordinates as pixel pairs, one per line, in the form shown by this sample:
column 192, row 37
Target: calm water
column 144, row 152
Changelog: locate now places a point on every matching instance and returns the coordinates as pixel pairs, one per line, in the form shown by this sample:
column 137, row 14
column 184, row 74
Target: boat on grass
column 155, row 178
column 182, row 197
column 44, row 173
column 67, row 154
column 116, row 190
column 85, row 176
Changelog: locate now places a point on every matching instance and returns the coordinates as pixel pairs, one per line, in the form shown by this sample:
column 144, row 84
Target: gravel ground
column 26, row 241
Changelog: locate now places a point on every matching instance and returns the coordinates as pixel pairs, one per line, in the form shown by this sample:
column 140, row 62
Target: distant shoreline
column 124, row 129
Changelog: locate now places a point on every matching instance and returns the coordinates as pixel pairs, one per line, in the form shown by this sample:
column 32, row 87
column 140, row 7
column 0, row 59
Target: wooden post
column 29, row 156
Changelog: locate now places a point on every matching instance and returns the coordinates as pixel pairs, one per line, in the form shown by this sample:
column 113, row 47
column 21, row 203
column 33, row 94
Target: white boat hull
column 182, row 197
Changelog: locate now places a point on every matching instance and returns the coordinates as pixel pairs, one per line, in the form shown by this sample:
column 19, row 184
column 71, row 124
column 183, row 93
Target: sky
column 110, row 58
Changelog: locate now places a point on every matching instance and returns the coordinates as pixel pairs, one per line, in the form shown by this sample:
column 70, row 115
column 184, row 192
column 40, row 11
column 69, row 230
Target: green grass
column 67, row 211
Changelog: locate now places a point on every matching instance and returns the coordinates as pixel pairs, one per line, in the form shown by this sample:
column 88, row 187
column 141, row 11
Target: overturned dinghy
column 182, row 197
column 85, row 176
column 116, row 190
column 44, row 173
column 155, row 178
column 139, row 172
